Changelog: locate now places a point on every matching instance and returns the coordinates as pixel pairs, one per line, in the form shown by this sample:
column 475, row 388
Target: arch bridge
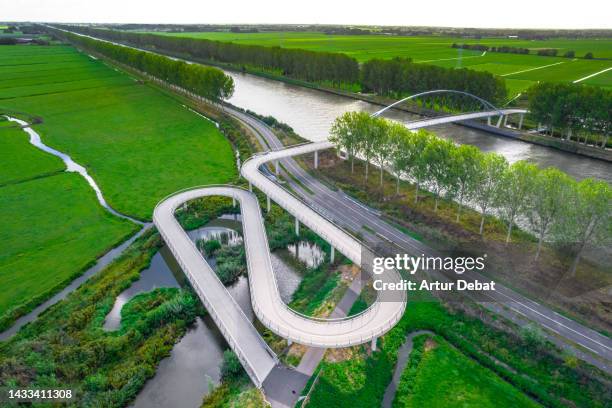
column 489, row 112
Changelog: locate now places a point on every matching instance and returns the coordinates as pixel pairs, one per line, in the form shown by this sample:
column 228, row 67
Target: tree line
column 209, row 82
column 294, row 63
column 577, row 111
column 501, row 48
column 400, row 76
column 558, row 208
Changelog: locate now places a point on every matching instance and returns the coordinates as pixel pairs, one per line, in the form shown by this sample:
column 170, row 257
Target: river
column 311, row 113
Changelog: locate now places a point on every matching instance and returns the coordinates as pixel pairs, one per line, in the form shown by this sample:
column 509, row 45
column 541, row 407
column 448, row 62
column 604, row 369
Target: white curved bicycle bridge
column 253, row 352
column 270, row 309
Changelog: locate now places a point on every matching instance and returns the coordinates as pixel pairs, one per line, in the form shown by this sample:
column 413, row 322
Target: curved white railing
column 265, row 296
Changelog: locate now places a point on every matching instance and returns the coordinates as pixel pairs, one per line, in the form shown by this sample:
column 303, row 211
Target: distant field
column 445, row 371
column 52, row 224
column 438, row 51
column 138, row 143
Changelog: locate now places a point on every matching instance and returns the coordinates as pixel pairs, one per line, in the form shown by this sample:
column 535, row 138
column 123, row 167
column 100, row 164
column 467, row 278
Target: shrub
column 231, row 369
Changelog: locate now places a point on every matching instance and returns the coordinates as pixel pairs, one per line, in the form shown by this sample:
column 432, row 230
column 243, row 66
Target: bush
column 588, row 55
column 231, row 369
column 209, row 247
column 231, row 263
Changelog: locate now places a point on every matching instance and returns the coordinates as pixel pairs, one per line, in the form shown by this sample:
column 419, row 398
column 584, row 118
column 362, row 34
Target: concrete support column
column 316, row 159
column 297, row 226
column 499, row 121
column 332, row 255
column 233, row 201
column 289, row 343
column 268, row 202
column 521, row 117
column 506, row 121
column 250, row 187
column 489, row 120
column 276, row 167
column 374, row 343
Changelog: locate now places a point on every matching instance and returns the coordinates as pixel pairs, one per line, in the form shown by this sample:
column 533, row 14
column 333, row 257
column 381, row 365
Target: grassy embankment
column 138, row 144
column 438, row 51
column 436, row 368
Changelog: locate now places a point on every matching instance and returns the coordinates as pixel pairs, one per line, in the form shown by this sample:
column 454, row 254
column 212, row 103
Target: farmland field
column 137, row 143
column 52, row 224
column 438, row 51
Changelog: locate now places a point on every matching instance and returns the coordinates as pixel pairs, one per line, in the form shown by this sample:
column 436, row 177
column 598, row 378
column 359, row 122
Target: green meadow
column 438, row 51
column 52, row 224
column 138, row 143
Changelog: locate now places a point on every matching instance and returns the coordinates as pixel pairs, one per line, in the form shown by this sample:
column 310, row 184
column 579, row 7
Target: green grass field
column 445, row 371
column 22, row 161
column 438, row 51
column 138, row 143
column 52, row 228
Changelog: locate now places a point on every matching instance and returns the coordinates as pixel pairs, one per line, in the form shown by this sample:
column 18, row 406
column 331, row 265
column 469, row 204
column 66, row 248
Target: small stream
column 193, row 368
column 71, row 166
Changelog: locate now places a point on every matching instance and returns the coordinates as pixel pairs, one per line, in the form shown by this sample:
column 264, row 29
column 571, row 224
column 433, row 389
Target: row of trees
column 556, row 206
column 400, row 76
column 575, row 110
column 295, row 63
column 501, row 48
column 396, row 77
column 209, row 82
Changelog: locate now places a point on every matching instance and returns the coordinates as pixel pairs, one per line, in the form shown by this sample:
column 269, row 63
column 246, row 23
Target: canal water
column 311, row 113
column 193, row 368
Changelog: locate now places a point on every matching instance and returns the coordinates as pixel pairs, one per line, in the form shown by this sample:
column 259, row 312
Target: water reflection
column 193, row 367
column 157, row 275
column 311, row 254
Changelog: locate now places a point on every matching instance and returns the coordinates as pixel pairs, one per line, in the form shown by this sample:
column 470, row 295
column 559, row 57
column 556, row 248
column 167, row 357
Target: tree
column 588, row 55
column 488, row 177
column 438, row 154
column 401, row 157
column 381, row 144
column 550, row 195
column 464, row 166
column 587, row 218
column 516, row 186
column 344, row 135
column 367, row 134
column 569, row 54
column 419, row 142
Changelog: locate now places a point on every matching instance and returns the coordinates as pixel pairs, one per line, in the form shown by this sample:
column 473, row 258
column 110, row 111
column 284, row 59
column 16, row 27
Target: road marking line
column 592, row 75
column 533, row 69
